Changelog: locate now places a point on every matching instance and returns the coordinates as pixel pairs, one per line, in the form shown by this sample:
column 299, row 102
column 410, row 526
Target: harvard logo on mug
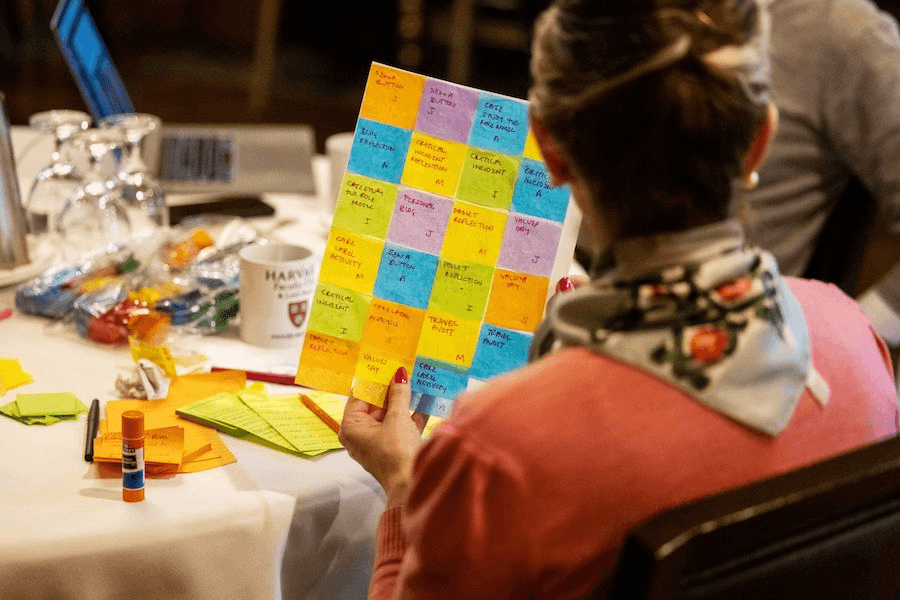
column 297, row 313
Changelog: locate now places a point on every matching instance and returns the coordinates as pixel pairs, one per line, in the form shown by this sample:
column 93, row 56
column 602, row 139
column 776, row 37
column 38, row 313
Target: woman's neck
column 639, row 256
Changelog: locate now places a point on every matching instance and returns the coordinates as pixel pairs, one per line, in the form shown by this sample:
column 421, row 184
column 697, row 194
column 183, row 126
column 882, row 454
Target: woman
column 691, row 368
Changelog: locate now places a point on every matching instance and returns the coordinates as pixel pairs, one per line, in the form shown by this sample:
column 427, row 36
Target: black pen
column 93, row 422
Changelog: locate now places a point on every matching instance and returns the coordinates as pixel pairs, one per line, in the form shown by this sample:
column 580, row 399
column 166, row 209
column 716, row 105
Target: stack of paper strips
column 172, row 444
column 279, row 422
column 174, row 449
column 44, row 409
column 12, row 375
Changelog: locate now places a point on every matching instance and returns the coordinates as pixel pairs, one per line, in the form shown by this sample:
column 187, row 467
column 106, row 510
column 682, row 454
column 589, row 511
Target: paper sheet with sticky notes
column 446, row 239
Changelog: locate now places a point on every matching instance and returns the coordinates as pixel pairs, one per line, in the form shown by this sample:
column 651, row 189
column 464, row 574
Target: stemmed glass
column 141, row 193
column 53, row 184
column 94, row 214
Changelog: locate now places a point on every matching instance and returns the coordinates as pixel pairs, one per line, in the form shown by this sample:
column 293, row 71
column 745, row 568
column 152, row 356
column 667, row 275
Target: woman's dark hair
column 656, row 128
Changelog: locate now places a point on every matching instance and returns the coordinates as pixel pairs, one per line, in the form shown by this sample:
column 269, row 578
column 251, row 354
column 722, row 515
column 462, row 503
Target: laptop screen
column 88, row 59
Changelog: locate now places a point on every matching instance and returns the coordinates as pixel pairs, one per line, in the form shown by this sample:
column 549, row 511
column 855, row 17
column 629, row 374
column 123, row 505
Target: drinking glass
column 94, row 214
column 53, row 184
column 141, row 193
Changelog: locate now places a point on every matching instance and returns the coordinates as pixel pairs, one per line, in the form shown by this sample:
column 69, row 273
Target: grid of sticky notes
column 443, row 242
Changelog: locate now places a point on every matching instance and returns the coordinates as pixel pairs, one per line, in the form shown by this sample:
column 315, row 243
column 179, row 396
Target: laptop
column 238, row 161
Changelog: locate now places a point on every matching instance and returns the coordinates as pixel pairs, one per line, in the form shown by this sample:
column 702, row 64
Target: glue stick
column 132, row 456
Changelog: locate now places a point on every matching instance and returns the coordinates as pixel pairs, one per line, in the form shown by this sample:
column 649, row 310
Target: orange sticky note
column 393, row 329
column 392, row 96
column 517, row 300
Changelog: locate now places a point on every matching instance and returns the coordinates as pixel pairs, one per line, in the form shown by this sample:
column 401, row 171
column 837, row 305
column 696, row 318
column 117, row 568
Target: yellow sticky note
column 378, row 367
column 392, row 96
column 474, row 234
column 351, row 261
column 448, row 338
column 159, row 355
column 434, row 165
column 327, row 363
column 12, row 375
column 370, row 391
column 531, row 148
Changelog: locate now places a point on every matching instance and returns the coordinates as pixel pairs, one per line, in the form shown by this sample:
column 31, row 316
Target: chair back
column 828, row 530
column 844, row 238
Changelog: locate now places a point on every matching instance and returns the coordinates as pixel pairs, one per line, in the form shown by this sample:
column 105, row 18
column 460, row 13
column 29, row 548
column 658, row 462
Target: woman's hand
column 385, row 440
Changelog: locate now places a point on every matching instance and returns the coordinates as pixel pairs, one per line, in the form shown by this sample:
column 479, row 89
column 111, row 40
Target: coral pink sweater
column 533, row 482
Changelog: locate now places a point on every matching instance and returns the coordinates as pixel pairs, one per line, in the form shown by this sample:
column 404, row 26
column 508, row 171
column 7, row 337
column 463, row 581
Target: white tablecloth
column 270, row 525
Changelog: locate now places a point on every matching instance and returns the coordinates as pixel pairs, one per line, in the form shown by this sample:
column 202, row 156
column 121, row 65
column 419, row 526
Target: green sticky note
column 365, row 206
column 40, row 405
column 339, row 312
column 11, row 410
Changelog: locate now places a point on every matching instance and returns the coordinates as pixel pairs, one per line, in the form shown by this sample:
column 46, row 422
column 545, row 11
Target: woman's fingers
column 397, row 401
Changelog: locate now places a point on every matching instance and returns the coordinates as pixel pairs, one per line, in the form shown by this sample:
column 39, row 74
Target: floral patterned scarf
column 703, row 311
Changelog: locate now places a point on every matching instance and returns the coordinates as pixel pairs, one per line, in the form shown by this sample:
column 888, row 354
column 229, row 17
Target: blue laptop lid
column 88, row 60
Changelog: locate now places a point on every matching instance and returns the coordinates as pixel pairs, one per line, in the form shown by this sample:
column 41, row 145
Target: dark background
column 191, row 61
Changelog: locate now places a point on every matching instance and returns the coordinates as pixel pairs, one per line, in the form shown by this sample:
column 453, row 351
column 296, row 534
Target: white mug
column 277, row 282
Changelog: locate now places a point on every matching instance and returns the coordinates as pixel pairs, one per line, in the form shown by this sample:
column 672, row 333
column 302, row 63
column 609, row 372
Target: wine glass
column 53, row 184
column 94, row 214
column 141, row 193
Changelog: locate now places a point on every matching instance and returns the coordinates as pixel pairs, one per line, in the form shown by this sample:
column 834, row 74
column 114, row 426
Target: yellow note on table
column 12, row 375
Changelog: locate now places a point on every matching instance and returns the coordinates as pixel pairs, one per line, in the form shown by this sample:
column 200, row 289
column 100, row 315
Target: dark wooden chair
column 844, row 239
column 829, row 530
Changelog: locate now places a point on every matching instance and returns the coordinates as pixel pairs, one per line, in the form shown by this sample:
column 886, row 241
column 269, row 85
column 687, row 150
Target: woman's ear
column 554, row 158
column 760, row 146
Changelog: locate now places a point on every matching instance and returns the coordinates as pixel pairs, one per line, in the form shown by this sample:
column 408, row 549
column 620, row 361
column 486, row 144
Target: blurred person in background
column 836, row 81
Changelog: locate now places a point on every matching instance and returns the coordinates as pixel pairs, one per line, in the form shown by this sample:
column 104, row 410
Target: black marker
column 93, row 421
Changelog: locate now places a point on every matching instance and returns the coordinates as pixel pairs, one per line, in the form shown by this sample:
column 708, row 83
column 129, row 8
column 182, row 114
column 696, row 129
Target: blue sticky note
column 405, row 276
column 500, row 124
column 499, row 351
column 434, row 378
column 534, row 196
column 431, row 405
column 379, row 150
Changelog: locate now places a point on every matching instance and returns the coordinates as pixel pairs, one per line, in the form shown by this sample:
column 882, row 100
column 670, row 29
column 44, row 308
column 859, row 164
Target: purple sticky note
column 420, row 220
column 529, row 245
column 446, row 111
